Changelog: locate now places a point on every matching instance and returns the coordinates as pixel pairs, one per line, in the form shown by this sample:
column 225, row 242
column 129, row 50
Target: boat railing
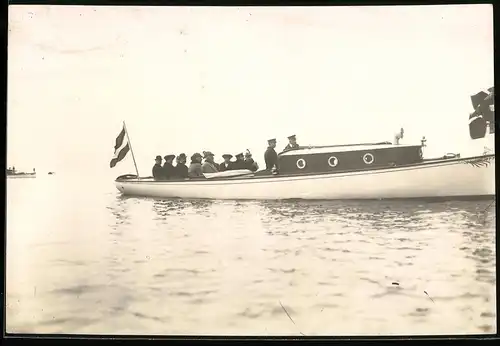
column 335, row 146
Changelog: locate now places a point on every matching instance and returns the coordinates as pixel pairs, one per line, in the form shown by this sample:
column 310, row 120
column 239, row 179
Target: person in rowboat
column 194, row 170
column 158, row 169
column 227, row 164
column 271, row 157
column 250, row 164
column 209, row 166
column 239, row 163
column 168, row 167
column 292, row 143
column 181, row 170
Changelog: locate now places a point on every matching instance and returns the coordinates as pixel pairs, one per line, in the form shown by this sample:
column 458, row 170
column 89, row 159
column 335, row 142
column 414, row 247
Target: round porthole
column 301, row 163
column 368, row 158
column 333, row 161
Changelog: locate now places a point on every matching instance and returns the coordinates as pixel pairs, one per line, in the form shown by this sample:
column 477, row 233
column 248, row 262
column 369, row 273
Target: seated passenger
column 227, row 164
column 157, row 169
column 181, row 170
column 239, row 163
column 194, row 170
column 249, row 162
column 168, row 167
column 209, row 166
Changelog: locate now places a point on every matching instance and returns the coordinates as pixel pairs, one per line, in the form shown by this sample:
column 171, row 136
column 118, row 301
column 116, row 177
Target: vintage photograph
column 250, row 171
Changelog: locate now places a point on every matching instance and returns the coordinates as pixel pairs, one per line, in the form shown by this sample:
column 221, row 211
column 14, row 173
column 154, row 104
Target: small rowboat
column 13, row 174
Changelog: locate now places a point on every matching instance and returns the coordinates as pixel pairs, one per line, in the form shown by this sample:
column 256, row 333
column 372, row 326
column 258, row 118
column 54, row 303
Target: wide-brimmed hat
column 169, row 157
column 229, row 156
column 196, row 155
column 239, row 155
column 158, row 157
column 291, row 137
column 207, row 154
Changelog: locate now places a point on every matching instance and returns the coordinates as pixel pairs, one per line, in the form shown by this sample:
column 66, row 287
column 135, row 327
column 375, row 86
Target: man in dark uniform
column 270, row 156
column 168, row 167
column 292, row 143
column 227, row 164
column 181, row 170
column 157, row 169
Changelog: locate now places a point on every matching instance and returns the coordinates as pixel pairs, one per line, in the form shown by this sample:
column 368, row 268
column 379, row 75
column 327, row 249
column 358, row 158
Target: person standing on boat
column 181, row 170
column 250, row 164
column 168, row 167
column 227, row 164
column 158, row 169
column 271, row 157
column 194, row 170
column 209, row 166
column 292, row 143
column 399, row 136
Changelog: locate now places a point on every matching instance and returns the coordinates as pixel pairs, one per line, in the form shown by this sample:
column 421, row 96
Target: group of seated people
column 197, row 167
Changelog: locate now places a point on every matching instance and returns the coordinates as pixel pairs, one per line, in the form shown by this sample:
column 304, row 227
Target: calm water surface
column 83, row 259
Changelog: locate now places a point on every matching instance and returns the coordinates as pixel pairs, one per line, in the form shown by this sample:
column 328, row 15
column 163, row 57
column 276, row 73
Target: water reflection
column 202, row 266
column 120, row 210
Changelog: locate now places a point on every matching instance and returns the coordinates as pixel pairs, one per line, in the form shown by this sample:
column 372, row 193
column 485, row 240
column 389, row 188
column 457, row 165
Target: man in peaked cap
column 181, row 170
column 209, row 166
column 227, row 164
column 168, row 167
column 157, row 169
column 292, row 143
column 271, row 157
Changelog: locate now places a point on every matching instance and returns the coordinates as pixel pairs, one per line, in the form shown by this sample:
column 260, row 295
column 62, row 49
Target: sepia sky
column 226, row 79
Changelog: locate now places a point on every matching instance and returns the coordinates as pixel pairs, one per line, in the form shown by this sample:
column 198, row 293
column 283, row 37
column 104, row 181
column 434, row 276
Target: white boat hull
column 21, row 176
column 439, row 178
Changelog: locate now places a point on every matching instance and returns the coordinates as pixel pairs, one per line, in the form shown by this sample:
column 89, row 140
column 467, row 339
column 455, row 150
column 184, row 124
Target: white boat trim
column 340, row 149
column 227, row 174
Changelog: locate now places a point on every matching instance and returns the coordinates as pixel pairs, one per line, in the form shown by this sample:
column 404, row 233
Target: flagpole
column 130, row 145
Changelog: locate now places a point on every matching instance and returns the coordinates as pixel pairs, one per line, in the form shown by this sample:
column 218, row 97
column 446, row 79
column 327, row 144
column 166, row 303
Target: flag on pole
column 122, row 147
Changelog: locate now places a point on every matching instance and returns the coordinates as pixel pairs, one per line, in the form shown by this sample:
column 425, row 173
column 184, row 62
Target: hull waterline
column 21, row 176
column 439, row 178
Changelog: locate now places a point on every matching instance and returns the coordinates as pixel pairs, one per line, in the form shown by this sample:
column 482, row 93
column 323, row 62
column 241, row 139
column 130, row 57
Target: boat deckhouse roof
column 341, row 148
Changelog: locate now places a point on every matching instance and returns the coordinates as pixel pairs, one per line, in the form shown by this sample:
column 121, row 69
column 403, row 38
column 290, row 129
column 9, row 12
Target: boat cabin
column 351, row 157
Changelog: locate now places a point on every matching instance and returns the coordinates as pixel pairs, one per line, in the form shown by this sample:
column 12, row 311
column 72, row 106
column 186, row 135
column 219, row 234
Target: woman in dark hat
column 157, row 169
column 194, row 170
column 181, row 170
column 240, row 162
column 168, row 167
column 250, row 163
column 227, row 164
